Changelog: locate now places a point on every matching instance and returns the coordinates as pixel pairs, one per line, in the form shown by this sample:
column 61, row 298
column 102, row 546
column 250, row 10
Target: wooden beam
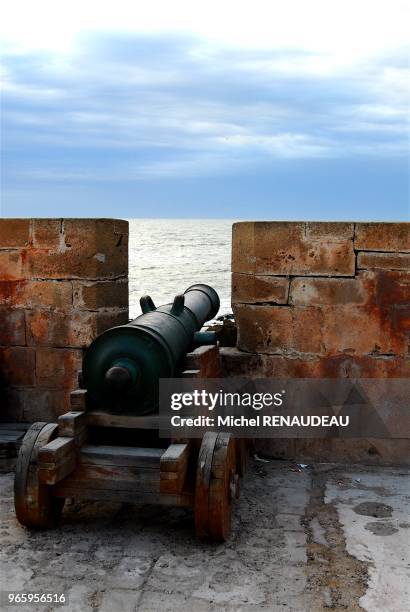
column 114, row 478
column 173, row 468
column 206, row 360
column 121, row 456
column 56, row 449
column 133, row 496
column 72, row 424
column 51, row 473
column 175, row 456
column 78, row 399
column 105, row 419
column 56, row 460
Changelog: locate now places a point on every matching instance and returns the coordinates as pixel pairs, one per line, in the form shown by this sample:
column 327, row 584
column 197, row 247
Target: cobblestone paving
column 300, row 541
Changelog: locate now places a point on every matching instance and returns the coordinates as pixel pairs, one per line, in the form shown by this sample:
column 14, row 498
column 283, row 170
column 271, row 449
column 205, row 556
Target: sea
column 166, row 256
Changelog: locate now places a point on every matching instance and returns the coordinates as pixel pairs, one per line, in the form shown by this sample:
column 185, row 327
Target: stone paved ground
column 328, row 537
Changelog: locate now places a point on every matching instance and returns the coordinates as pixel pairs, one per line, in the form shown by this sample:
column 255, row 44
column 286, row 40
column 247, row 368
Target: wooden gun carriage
column 72, row 459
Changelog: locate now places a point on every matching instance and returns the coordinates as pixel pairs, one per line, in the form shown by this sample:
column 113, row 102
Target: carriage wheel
column 216, row 485
column 35, row 506
column 242, row 455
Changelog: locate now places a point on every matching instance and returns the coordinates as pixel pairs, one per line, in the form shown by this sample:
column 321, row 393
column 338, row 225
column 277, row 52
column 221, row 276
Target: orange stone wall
column 62, row 282
column 321, row 300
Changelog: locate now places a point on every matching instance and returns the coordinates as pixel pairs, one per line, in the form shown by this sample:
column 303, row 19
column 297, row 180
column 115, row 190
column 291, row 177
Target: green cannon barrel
column 122, row 367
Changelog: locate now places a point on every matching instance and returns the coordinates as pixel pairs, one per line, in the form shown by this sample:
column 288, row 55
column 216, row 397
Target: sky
column 242, row 110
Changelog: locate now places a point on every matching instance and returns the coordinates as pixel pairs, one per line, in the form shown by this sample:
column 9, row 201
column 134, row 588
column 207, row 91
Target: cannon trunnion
column 103, row 448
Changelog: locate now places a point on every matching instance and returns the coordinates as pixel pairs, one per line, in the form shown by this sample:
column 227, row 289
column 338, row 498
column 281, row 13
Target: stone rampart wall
column 323, row 300
column 62, row 282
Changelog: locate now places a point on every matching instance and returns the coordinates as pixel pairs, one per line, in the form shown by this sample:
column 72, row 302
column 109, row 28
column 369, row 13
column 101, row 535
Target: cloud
column 347, row 31
column 127, row 107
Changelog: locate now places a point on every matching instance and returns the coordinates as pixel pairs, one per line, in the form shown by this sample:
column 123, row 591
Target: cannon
column 107, row 446
column 123, row 365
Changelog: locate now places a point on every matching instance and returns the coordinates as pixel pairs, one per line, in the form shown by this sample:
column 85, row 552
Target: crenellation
column 347, row 313
column 62, row 282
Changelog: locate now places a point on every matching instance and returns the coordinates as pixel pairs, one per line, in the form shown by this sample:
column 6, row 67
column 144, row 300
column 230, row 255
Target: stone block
column 388, row 287
column 360, row 366
column 239, row 363
column 121, row 227
column 12, row 404
column 387, row 237
column 279, row 329
column 57, row 367
column 55, row 295
column 329, row 231
column 100, row 236
column 327, row 291
column 235, row 362
column 78, row 248
column 14, row 233
column 43, row 404
column 361, row 330
column 17, row 365
column 77, row 329
column 383, row 261
column 47, row 233
column 100, row 294
column 11, row 265
column 282, row 248
column 12, row 327
column 251, row 289
column 76, row 264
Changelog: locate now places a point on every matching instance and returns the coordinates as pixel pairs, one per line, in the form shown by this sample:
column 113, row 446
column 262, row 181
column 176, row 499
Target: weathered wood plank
column 174, row 457
column 169, row 475
column 57, row 459
column 115, row 472
column 114, row 477
column 50, row 473
column 173, row 466
column 172, row 487
column 78, row 400
column 55, row 450
column 11, row 435
column 206, row 360
column 12, row 425
column 144, row 486
column 12, row 432
column 104, row 419
column 72, row 424
column 121, row 456
column 134, row 496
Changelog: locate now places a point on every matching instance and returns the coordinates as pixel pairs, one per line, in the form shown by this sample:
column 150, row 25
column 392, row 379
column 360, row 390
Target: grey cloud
column 169, row 106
